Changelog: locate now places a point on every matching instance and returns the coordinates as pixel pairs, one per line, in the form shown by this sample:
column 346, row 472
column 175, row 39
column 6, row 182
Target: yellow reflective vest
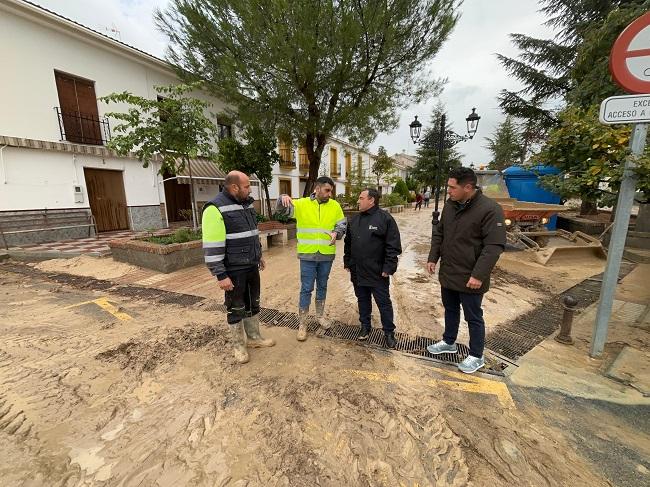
column 314, row 223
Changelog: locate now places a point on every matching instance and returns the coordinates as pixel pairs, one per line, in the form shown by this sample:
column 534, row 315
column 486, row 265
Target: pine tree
column 426, row 166
column 505, row 145
column 544, row 66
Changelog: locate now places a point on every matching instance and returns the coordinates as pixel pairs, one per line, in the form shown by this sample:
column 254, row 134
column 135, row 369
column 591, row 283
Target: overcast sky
column 467, row 60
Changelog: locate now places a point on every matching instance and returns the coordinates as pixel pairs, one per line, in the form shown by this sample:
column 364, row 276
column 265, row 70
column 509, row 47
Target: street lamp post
column 446, row 139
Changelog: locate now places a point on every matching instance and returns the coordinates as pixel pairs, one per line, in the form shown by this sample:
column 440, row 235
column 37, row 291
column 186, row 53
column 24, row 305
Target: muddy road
column 97, row 389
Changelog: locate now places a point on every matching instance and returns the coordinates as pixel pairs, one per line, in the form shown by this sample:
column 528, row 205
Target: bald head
column 238, row 185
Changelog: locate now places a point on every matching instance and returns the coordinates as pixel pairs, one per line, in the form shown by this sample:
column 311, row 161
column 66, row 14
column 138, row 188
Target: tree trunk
column 268, row 200
column 195, row 225
column 588, row 208
column 314, row 154
column 643, row 218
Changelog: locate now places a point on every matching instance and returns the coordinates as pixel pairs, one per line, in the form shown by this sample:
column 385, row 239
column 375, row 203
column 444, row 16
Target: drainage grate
column 511, row 341
column 521, row 335
column 411, row 344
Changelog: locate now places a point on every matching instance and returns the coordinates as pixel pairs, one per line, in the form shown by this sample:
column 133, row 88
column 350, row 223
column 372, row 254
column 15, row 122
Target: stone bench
column 273, row 237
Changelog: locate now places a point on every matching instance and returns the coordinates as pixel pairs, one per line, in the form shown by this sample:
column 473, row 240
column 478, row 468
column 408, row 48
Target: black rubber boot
column 390, row 339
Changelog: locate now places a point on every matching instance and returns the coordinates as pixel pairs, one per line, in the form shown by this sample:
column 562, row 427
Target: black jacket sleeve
column 493, row 232
column 393, row 246
column 437, row 234
column 347, row 246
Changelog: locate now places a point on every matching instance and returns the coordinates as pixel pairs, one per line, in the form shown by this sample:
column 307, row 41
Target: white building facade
column 54, row 162
column 53, row 130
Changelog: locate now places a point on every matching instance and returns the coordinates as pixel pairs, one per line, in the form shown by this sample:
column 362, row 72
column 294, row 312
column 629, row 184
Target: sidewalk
column 570, row 370
column 603, row 404
column 96, row 246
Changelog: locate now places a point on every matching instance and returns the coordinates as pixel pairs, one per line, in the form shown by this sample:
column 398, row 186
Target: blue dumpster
column 523, row 184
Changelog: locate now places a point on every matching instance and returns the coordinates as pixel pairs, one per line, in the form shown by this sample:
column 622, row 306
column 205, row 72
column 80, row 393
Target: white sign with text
column 625, row 109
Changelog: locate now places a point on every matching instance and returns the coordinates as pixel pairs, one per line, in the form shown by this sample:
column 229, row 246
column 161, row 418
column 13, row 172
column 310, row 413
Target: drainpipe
column 2, row 164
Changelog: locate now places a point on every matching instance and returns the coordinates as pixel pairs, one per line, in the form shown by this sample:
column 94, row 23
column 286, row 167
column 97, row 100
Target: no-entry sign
column 629, row 61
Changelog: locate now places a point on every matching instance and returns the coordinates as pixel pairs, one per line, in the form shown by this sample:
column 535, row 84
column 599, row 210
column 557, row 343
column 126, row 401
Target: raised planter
column 270, row 225
column 275, row 225
column 161, row 258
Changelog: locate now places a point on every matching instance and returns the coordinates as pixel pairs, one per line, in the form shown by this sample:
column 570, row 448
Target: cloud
column 132, row 19
column 474, row 74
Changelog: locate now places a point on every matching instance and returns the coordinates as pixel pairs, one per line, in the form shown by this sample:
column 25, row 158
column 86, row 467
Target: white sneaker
column 471, row 364
column 442, row 347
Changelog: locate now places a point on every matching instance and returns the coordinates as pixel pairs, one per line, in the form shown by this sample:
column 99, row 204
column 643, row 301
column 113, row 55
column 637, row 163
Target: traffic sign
column 625, row 109
column 629, row 61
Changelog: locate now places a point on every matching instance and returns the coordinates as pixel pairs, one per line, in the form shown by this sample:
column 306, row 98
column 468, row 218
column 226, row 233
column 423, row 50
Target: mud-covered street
column 101, row 389
column 155, row 400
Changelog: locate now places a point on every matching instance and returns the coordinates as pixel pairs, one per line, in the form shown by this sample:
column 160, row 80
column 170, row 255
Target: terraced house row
column 58, row 180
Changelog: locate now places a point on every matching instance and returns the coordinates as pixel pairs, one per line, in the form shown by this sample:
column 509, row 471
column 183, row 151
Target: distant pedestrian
column 468, row 241
column 418, row 201
column 372, row 245
column 427, row 197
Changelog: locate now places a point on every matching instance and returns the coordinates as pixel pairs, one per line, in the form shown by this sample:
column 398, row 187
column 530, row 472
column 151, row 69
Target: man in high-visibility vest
column 233, row 253
column 320, row 223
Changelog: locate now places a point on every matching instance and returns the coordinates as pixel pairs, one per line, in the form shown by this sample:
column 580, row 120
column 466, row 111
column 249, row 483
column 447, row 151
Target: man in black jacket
column 372, row 244
column 468, row 240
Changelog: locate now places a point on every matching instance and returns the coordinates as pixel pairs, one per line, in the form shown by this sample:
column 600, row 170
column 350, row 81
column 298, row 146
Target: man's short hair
column 324, row 180
column 374, row 194
column 464, row 175
column 231, row 178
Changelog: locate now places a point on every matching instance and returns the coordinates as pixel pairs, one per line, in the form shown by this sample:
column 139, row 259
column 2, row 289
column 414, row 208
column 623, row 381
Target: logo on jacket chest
column 372, row 227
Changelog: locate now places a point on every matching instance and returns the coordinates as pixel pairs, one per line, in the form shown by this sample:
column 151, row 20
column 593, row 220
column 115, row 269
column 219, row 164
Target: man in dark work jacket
column 372, row 245
column 468, row 241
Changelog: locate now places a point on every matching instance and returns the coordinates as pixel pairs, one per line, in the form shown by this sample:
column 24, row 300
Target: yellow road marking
column 466, row 383
column 106, row 306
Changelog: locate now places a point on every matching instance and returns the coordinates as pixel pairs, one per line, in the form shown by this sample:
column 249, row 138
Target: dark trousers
column 452, row 301
column 382, row 298
column 244, row 300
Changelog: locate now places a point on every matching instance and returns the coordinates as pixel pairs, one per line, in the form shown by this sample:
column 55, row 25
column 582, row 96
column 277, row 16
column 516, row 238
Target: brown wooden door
column 285, row 186
column 78, row 109
column 107, row 199
column 177, row 198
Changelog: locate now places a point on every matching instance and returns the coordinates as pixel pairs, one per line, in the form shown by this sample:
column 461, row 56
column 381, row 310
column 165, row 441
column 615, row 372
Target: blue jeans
column 310, row 271
column 471, row 303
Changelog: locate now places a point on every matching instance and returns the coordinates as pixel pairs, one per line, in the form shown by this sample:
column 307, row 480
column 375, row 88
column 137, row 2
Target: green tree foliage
column 256, row 156
column 401, row 189
column 505, row 145
column 590, row 77
column 411, row 183
column 544, row 66
column 428, row 157
column 172, row 128
column 383, row 166
column 591, row 157
column 314, row 67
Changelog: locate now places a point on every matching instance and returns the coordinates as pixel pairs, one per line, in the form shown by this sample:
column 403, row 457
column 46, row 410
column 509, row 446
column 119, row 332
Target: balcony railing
column 82, row 128
column 286, row 158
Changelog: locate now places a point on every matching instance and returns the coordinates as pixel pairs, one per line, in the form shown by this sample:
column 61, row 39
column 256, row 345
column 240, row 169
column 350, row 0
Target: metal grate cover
column 511, row 341
column 521, row 335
